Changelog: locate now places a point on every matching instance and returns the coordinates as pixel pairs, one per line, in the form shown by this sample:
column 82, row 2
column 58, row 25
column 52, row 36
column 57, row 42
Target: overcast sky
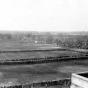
column 44, row 15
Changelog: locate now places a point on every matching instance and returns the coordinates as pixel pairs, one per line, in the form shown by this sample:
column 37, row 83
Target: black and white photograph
column 43, row 43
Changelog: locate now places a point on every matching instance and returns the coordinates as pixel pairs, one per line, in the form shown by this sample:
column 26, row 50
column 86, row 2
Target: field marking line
column 46, row 66
column 50, row 68
column 35, row 69
column 20, row 55
column 42, row 72
column 5, row 56
column 23, row 56
column 16, row 56
column 42, row 55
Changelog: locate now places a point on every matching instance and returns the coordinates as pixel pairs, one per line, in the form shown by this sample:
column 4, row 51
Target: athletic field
column 20, row 74
column 25, row 45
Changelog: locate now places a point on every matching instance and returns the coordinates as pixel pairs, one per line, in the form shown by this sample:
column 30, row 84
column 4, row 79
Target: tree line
column 70, row 40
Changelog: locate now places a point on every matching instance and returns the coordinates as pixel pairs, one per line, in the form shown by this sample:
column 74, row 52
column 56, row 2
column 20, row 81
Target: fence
column 41, row 60
column 42, row 50
column 63, row 82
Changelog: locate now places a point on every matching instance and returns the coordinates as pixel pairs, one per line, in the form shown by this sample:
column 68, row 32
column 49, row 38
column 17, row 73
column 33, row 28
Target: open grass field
column 20, row 74
column 24, row 55
column 25, row 45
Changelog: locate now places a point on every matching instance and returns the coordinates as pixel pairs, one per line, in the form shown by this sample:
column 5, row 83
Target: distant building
column 79, row 80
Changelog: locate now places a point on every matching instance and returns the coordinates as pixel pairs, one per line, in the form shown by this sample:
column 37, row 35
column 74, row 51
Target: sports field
column 20, row 74
column 19, row 45
column 23, row 45
column 24, row 55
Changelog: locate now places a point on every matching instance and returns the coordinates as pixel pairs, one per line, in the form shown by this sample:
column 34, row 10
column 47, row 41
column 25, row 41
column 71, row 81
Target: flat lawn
column 23, row 45
column 21, row 74
column 26, row 45
column 5, row 56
